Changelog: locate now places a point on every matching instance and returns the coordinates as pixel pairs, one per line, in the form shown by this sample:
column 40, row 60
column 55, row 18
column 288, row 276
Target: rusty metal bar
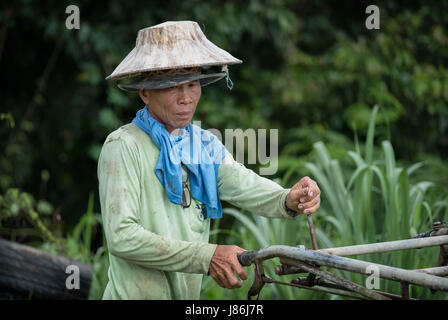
column 351, row 286
column 404, row 291
column 312, row 233
column 284, row 269
column 323, row 259
column 386, row 246
column 323, row 283
column 297, row 285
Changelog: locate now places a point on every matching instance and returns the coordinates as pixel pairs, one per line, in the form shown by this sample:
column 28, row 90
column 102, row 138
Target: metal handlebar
column 301, row 260
column 247, row 258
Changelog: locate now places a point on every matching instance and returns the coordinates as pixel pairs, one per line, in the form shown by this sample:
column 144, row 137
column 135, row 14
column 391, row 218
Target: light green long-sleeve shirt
column 160, row 250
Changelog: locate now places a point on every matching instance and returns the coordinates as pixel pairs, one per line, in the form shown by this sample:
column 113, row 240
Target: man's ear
column 144, row 95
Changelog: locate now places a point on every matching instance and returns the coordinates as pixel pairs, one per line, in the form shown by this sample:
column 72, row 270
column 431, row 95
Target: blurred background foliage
column 310, row 69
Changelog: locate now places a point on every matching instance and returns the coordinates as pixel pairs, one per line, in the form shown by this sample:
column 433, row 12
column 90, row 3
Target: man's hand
column 223, row 265
column 304, row 196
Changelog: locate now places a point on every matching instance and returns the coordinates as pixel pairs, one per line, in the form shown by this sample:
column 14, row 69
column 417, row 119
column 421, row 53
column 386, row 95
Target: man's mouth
column 185, row 115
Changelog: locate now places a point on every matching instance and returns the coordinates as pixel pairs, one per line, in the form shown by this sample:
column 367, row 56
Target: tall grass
column 370, row 200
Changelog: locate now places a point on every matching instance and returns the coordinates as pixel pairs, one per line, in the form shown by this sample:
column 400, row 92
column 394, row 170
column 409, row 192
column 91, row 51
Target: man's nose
column 184, row 95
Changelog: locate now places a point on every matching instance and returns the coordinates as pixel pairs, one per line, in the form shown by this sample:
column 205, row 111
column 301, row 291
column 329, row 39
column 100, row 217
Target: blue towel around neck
column 201, row 153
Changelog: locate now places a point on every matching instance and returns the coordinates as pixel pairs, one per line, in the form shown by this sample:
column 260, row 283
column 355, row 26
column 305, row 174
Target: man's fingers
column 304, row 182
column 308, row 205
column 225, row 264
column 312, row 209
column 303, row 191
column 235, row 267
column 238, row 268
column 307, row 187
column 312, row 194
column 219, row 279
column 313, row 189
column 226, row 280
column 231, row 280
column 295, row 194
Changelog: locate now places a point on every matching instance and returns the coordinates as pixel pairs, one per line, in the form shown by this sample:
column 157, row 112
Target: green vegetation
column 369, row 199
column 310, row 69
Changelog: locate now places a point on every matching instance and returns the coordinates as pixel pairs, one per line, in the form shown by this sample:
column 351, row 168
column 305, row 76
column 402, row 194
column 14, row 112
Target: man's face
column 174, row 107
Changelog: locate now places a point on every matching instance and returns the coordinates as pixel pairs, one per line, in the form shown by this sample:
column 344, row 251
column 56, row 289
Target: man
column 161, row 179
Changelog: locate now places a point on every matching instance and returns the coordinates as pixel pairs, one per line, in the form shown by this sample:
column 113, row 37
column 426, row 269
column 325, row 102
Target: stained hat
column 170, row 54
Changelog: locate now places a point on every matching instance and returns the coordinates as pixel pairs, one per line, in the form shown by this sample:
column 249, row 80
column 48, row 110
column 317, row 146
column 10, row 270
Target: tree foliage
column 310, row 69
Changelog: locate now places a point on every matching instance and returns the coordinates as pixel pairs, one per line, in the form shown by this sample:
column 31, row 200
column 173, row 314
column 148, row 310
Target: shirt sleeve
column 245, row 189
column 119, row 190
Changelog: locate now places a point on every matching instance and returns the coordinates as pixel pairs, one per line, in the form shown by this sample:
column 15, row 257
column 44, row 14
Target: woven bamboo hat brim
column 172, row 81
column 171, row 45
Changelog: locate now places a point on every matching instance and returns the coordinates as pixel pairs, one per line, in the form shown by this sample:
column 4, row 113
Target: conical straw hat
column 171, row 45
